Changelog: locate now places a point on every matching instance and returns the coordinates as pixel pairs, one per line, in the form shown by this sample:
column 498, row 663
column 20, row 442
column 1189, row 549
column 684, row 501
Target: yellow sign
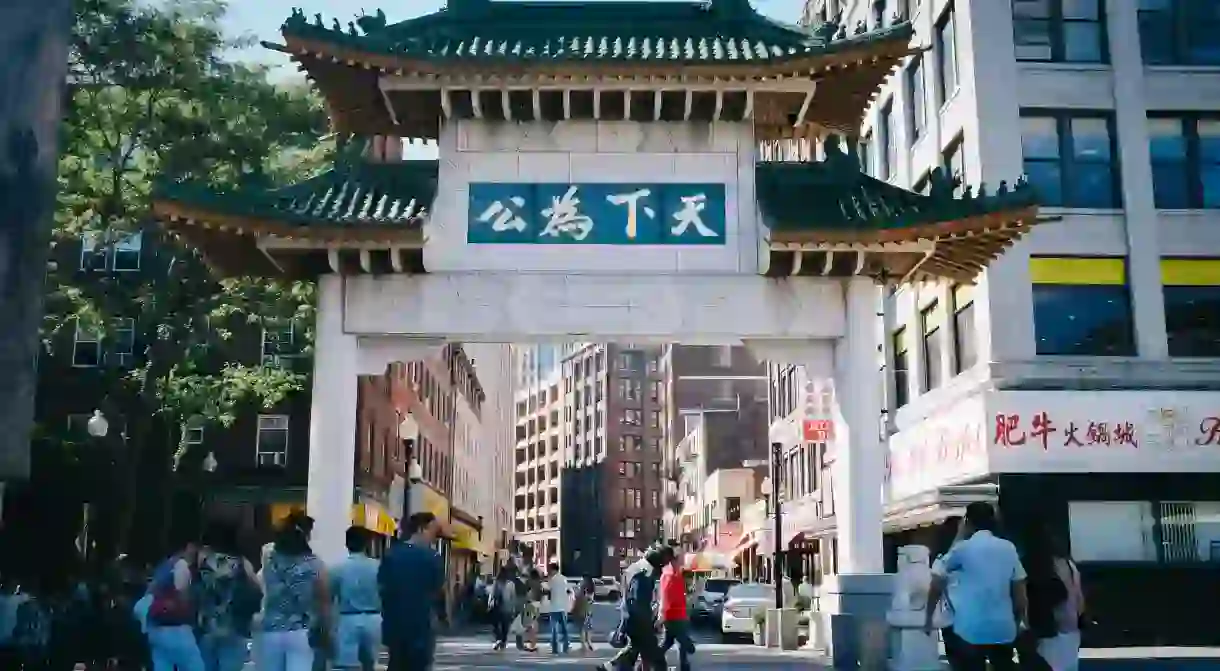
column 430, row 501
column 466, row 537
column 373, row 517
column 280, row 512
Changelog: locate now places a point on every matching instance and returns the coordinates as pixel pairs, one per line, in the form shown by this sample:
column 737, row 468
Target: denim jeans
column 174, row 647
column 224, row 653
column 284, row 651
column 358, row 641
column 559, row 627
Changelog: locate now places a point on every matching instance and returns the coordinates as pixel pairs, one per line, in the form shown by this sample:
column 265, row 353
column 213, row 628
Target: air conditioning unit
column 272, row 459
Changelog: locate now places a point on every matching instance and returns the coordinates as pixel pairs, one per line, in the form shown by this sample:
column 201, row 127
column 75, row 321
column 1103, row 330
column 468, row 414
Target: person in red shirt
column 673, row 612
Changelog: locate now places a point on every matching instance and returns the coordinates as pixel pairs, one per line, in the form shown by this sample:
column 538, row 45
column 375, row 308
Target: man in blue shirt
column 411, row 578
column 354, row 588
column 988, row 592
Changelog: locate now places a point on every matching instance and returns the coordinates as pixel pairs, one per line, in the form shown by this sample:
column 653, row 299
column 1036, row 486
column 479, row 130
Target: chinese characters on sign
column 597, row 214
column 819, row 403
column 1041, row 431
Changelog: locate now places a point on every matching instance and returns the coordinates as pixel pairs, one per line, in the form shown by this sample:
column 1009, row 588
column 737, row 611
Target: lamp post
column 782, row 433
column 408, row 432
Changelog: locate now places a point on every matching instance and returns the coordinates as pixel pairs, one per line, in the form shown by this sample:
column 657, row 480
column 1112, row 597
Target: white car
column 707, row 599
column 607, row 588
column 742, row 604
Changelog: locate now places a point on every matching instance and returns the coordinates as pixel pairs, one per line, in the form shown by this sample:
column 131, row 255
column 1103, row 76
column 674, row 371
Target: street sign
column 818, row 430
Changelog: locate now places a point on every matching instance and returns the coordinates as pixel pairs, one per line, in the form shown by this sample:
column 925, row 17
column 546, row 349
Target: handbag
column 618, row 637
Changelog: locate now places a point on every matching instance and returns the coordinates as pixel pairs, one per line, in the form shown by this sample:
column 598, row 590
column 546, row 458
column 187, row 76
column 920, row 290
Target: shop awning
column 465, row 537
column 373, row 517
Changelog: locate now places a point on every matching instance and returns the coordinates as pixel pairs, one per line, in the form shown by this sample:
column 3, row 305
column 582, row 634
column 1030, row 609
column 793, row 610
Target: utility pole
column 34, row 38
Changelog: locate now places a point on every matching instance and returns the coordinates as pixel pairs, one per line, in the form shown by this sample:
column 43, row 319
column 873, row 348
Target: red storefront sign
column 818, row 430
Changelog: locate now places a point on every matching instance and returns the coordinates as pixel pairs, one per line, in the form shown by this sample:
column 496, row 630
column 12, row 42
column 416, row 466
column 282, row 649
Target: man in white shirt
column 560, row 603
column 989, row 599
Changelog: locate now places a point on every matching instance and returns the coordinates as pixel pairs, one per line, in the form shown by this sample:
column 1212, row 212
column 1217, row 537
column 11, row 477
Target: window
column 946, row 56
column 655, row 497
column 901, row 364
column 866, row 153
column 954, row 161
column 1081, row 307
column 1185, row 161
column 917, row 97
column 732, row 509
column 1192, row 306
column 1180, row 32
column 1172, row 532
column 1070, row 158
column 933, row 347
column 965, row 349
column 120, row 255
column 1064, row 31
column 279, row 345
column 271, row 447
column 1111, row 531
column 86, row 347
column 889, row 142
column 654, row 419
column 122, row 349
column 622, row 468
column 654, row 392
column 633, row 417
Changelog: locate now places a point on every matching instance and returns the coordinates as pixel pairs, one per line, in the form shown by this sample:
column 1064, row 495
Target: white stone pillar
column 859, row 468
column 332, row 424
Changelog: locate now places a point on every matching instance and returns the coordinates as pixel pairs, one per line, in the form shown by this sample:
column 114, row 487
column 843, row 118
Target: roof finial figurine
column 826, row 30
column 336, row 26
column 982, row 191
column 861, row 27
column 317, row 20
column 1003, row 190
column 351, row 29
column 940, row 184
column 372, row 24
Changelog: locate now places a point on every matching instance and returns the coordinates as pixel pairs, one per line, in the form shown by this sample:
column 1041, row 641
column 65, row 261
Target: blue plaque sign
column 596, row 214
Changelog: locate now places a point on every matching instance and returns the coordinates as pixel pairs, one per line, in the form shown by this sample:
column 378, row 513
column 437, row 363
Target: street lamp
column 209, row 463
column 408, row 431
column 782, row 433
column 97, row 426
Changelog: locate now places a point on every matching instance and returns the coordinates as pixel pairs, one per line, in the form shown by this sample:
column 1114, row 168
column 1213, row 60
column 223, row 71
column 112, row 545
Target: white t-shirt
column 557, row 591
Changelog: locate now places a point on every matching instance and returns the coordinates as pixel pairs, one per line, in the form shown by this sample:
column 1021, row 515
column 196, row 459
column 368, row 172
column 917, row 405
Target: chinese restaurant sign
column 1107, row 431
column 596, row 214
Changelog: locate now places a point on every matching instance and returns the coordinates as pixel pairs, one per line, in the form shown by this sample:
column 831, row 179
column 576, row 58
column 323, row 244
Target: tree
column 33, row 49
column 152, row 96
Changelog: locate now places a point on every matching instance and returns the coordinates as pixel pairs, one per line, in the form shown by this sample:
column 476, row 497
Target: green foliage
column 152, row 96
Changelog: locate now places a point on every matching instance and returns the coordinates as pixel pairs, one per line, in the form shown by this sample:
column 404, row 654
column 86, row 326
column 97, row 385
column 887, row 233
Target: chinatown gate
column 612, row 171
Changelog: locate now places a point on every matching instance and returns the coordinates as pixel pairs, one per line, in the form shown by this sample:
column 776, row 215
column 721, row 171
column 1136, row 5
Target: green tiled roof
column 352, row 193
column 718, row 32
column 836, row 197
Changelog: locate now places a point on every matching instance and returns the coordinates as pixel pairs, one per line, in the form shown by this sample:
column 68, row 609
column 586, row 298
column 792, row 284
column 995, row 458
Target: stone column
column 332, row 423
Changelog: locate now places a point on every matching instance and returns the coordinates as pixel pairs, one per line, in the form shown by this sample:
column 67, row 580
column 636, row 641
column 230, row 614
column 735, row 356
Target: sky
column 262, row 18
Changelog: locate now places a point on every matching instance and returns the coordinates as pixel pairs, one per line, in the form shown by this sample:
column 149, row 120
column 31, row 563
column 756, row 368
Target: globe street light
column 97, row 426
column 209, row 463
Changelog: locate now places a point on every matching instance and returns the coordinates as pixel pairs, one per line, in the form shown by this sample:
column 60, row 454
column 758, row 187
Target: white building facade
column 1080, row 375
column 491, row 455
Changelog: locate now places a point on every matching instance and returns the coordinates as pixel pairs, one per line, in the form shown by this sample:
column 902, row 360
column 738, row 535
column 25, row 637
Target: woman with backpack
column 229, row 597
column 1056, row 605
column 171, row 615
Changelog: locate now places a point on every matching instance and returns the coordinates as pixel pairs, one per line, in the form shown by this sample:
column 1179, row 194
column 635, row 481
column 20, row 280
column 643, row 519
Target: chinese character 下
column 503, row 217
column 564, row 217
column 689, row 216
column 631, row 200
column 1006, row 433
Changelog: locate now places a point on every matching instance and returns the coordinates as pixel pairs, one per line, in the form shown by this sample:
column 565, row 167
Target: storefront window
column 1083, row 320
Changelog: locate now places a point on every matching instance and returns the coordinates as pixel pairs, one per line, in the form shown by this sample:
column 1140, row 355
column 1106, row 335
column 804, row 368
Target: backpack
column 169, row 607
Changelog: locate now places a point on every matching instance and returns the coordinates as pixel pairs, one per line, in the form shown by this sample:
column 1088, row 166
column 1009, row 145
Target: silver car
column 708, row 601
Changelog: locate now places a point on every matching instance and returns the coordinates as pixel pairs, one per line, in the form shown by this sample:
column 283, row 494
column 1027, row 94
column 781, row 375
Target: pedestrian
column 502, row 606
column 353, row 586
column 229, row 597
column 558, row 606
column 948, row 534
column 296, row 615
column 673, row 611
column 172, row 613
column 530, row 612
column 1056, row 602
column 639, row 623
column 989, row 602
column 582, row 613
column 411, row 578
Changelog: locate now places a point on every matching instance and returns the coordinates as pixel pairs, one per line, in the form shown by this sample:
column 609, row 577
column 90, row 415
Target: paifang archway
column 598, row 183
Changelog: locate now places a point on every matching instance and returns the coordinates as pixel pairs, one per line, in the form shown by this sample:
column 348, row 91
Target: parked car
column 708, row 599
column 607, row 588
column 742, row 605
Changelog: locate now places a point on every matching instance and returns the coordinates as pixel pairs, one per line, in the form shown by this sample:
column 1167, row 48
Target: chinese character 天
column 691, row 215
